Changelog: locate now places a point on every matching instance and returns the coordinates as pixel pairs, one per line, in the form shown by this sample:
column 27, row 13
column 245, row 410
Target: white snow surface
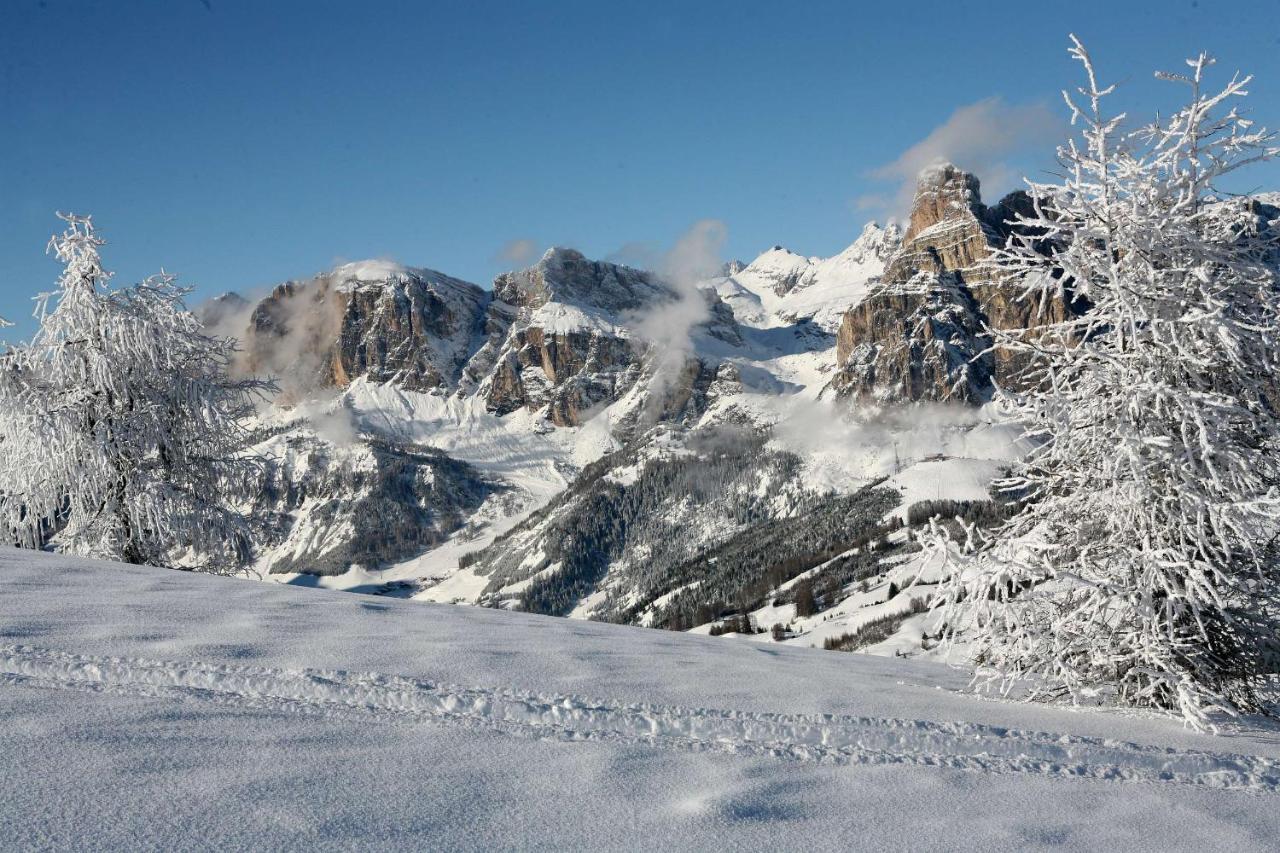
column 781, row 287
column 532, row 464
column 144, row 708
column 370, row 270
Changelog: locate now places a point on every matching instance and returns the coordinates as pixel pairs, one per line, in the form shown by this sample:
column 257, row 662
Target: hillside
column 144, row 707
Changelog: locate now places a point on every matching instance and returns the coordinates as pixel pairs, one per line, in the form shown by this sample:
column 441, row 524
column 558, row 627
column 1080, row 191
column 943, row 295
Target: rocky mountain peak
column 878, row 240
column 943, row 192
column 948, row 229
column 875, row 245
column 375, row 271
column 919, row 334
column 781, row 268
column 562, row 336
column 567, row 276
column 370, row 318
column 782, row 287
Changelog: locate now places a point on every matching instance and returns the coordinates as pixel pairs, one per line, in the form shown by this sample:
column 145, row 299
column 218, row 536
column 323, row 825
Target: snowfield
column 144, row 708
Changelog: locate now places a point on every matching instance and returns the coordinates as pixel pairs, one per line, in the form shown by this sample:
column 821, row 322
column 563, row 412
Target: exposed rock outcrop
column 568, row 372
column 569, row 343
column 562, row 337
column 567, row 277
column 920, row 333
column 919, row 340
column 391, row 323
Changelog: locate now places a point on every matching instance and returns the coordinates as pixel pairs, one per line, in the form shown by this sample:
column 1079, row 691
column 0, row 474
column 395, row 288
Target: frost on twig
column 1143, row 567
column 120, row 430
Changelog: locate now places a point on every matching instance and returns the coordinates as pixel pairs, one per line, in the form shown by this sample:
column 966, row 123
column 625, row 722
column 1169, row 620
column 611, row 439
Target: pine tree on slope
column 120, row 431
column 1144, row 566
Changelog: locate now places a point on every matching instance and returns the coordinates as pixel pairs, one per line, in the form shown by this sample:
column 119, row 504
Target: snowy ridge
column 781, row 287
column 370, row 270
column 382, row 273
column 808, row 738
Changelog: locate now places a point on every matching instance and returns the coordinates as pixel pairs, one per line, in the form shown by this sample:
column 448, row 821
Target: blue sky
column 242, row 143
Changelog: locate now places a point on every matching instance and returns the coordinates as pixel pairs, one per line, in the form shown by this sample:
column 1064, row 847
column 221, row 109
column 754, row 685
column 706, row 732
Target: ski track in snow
column 808, row 738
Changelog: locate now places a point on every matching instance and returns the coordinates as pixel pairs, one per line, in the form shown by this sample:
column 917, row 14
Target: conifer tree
column 121, row 432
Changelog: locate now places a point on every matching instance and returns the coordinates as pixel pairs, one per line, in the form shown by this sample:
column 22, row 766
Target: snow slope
column 781, row 287
column 531, row 465
column 148, row 708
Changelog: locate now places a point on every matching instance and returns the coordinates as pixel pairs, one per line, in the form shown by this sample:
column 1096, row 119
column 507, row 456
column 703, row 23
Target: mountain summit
column 921, row 331
column 587, row 438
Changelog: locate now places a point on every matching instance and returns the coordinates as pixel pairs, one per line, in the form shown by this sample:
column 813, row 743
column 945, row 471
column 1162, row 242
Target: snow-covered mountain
column 550, row 444
column 390, row 323
column 919, row 333
column 781, row 288
column 560, row 338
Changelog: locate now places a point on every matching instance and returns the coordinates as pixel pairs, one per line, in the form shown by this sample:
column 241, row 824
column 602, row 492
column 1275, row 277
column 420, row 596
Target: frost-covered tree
column 1144, row 565
column 120, row 431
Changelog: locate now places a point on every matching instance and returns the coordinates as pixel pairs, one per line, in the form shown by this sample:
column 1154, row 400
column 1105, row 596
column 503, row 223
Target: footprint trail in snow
column 808, row 738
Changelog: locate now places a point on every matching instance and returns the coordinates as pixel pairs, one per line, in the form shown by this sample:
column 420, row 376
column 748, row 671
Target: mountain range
column 593, row 440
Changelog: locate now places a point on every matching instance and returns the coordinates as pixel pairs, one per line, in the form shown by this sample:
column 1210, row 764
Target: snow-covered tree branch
column 1144, row 566
column 120, row 431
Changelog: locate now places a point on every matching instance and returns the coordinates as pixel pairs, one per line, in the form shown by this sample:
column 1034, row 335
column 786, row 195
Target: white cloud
column 696, row 255
column 668, row 327
column 521, row 252
column 981, row 138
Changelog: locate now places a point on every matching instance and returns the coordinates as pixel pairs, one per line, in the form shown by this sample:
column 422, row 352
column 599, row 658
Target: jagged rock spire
column 919, row 335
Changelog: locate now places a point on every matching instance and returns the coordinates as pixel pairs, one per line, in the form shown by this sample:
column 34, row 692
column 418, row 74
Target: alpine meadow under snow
column 968, row 535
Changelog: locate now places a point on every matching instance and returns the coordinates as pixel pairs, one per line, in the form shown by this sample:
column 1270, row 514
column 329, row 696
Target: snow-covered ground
column 143, row 708
column 532, row 464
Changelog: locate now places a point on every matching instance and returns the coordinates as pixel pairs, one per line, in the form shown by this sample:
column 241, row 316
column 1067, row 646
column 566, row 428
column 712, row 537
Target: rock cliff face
column 919, row 334
column 561, row 336
column 415, row 330
column 918, row 340
column 569, row 372
column 414, row 327
column 949, row 230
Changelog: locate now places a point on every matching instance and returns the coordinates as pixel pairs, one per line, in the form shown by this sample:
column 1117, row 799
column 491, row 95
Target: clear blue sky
column 242, row 143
